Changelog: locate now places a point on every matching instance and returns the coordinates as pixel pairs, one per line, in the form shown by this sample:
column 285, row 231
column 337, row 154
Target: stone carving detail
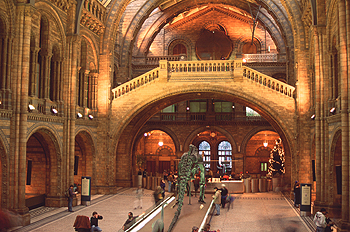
column 62, row 4
column 92, row 23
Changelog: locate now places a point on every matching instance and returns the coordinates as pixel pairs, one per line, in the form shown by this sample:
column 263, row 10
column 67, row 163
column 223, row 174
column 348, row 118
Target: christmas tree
column 276, row 159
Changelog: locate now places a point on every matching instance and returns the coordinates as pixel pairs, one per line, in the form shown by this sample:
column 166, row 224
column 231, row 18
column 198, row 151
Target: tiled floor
column 252, row 212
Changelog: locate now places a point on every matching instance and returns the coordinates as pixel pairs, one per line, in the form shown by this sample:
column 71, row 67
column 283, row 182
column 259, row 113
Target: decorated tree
column 276, row 160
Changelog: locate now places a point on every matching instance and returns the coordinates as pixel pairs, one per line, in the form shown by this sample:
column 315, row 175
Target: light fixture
column 54, row 110
column 313, row 117
column 79, row 115
column 145, row 134
column 332, row 111
column 265, row 143
column 91, row 116
column 160, row 144
column 187, row 108
column 31, row 107
column 244, row 60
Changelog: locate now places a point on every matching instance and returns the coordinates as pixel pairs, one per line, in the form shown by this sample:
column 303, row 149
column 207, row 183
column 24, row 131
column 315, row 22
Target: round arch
column 251, row 133
column 136, row 117
column 55, row 168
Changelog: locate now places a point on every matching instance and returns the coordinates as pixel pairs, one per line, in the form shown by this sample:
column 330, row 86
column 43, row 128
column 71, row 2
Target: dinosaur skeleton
column 189, row 164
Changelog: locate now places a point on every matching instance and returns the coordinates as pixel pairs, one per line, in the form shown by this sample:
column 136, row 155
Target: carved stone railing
column 154, row 60
column 266, row 57
column 213, row 70
column 204, row 70
column 135, row 83
column 268, row 81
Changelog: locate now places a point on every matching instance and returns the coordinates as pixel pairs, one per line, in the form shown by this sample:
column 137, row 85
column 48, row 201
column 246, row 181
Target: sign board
column 305, row 194
column 85, row 188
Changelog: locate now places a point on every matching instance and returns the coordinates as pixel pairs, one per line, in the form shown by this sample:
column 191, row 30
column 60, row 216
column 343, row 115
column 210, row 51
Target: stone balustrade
column 268, row 81
column 93, row 16
column 266, row 57
column 135, row 83
column 213, row 70
column 201, row 66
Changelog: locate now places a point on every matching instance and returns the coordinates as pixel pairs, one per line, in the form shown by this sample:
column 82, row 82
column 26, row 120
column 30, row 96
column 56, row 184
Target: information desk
column 233, row 186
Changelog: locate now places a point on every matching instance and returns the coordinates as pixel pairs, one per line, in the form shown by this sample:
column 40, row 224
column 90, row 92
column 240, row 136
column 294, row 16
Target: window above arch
column 179, row 49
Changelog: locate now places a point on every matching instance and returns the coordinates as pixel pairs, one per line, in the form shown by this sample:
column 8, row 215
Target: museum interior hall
column 104, row 88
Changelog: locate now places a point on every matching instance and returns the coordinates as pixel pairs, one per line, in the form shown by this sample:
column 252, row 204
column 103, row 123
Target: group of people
column 206, row 229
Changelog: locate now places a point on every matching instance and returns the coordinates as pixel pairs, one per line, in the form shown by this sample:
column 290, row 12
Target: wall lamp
column 332, row 110
column 79, row 115
column 313, row 117
column 31, row 107
column 54, row 110
column 91, row 116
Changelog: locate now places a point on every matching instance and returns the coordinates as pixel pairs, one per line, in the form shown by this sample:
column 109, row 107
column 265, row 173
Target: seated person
column 94, row 222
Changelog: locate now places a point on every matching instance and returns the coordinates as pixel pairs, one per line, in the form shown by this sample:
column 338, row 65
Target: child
column 94, row 222
column 229, row 200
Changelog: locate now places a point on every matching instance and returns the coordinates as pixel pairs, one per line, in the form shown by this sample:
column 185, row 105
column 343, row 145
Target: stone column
column 344, row 112
column 4, row 63
column 32, row 77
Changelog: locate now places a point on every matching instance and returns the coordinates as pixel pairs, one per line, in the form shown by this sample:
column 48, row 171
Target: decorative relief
column 62, row 4
column 92, row 23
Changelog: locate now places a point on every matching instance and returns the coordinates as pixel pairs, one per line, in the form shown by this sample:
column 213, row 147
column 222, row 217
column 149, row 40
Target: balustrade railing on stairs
column 268, row 81
column 211, row 70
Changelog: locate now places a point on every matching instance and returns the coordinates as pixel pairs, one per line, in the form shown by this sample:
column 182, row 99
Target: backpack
column 67, row 193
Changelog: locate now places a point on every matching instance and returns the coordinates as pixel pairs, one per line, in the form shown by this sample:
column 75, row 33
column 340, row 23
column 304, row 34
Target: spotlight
column 313, row 117
column 79, row 115
column 31, row 107
column 332, row 111
column 187, row 108
column 244, row 60
column 54, row 110
column 91, row 116
column 160, row 144
column 145, row 134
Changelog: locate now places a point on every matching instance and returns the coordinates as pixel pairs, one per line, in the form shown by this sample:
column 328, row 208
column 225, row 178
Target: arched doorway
column 257, row 153
column 83, row 159
column 43, row 175
column 154, row 152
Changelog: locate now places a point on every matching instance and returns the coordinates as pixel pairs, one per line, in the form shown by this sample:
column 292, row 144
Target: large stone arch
column 134, row 117
column 52, row 149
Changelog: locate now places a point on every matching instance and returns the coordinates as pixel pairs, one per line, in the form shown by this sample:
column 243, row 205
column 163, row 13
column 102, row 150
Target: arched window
column 179, row 49
column 249, row 48
column 225, row 155
column 204, row 147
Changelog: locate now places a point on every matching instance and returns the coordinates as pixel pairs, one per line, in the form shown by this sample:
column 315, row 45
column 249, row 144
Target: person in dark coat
column 297, row 194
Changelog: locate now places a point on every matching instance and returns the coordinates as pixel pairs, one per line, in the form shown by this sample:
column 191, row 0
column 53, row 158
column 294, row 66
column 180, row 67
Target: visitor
column 130, row 221
column 217, row 201
column 71, row 194
column 224, row 193
column 170, row 181
column 94, row 222
column 196, row 184
column 229, row 200
column 320, row 220
column 139, row 195
column 195, row 229
column 297, row 194
column 329, row 223
column 207, row 228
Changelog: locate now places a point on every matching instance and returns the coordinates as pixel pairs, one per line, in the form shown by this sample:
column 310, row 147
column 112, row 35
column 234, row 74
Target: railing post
column 238, row 70
column 163, row 70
